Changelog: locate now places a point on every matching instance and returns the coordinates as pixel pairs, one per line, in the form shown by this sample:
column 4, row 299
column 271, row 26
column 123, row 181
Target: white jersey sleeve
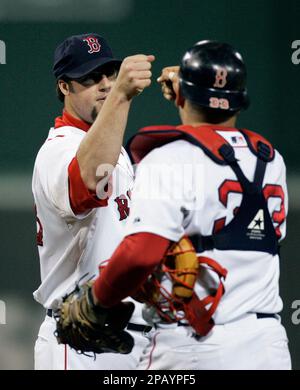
column 51, row 168
column 159, row 199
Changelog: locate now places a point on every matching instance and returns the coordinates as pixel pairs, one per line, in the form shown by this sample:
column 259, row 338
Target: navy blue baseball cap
column 79, row 55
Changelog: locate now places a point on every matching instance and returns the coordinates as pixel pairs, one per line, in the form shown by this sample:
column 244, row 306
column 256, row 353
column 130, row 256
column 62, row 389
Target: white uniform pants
column 246, row 344
column 49, row 355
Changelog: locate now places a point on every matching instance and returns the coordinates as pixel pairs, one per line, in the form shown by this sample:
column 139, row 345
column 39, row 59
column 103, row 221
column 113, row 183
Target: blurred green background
column 262, row 31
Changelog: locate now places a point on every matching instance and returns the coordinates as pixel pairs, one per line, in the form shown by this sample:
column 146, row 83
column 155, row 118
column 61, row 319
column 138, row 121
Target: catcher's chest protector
column 251, row 229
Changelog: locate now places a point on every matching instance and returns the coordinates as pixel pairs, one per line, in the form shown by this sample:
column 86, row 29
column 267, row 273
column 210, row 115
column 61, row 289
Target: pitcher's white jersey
column 72, row 245
column 211, row 195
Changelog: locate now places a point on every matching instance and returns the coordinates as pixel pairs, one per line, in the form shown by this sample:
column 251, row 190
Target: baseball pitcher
column 81, row 185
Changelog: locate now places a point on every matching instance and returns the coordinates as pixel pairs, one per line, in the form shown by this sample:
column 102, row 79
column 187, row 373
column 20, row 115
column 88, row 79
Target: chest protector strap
column 251, row 229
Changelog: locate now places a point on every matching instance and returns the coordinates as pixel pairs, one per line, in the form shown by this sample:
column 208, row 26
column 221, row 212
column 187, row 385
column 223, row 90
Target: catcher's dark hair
column 59, row 94
column 212, row 115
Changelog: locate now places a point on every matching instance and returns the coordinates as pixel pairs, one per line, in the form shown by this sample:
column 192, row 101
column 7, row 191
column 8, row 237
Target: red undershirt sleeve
column 81, row 198
column 133, row 260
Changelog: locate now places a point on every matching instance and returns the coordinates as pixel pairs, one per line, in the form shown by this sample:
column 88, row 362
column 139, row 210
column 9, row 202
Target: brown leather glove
column 86, row 327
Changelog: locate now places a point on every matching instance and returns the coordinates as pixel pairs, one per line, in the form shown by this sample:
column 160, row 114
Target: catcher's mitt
column 86, row 327
column 169, row 291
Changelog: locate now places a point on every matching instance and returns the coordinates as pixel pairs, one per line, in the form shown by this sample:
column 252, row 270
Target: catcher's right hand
column 86, row 327
column 169, row 82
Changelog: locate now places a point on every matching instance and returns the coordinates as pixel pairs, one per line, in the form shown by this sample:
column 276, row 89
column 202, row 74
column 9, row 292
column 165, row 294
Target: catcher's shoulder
column 254, row 137
column 176, row 151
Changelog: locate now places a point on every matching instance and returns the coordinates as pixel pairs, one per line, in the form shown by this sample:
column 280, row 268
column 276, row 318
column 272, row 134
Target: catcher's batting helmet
column 213, row 74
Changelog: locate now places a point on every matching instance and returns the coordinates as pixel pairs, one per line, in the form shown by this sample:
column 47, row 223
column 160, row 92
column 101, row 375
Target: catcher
column 223, row 187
